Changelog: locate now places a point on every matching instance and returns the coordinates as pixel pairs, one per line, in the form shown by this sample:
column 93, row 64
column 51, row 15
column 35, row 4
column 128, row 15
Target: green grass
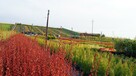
column 5, row 27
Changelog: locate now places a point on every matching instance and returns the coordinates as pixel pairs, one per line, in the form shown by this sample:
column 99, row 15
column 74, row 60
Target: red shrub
column 23, row 56
column 0, row 60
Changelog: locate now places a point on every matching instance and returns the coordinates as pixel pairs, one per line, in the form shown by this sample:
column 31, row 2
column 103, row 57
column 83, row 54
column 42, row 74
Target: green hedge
column 127, row 46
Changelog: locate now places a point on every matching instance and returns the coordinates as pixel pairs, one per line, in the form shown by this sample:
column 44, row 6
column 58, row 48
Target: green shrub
column 51, row 37
column 127, row 46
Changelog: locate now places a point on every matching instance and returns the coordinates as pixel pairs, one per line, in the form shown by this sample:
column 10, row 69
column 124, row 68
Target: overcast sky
column 116, row 18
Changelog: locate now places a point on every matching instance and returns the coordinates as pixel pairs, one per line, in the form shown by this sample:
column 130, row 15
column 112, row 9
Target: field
column 90, row 61
column 24, row 28
column 26, row 55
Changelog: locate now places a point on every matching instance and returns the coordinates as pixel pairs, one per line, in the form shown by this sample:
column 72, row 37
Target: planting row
column 23, row 56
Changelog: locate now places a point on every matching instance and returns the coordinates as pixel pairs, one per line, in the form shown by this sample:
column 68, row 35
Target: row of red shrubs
column 22, row 56
column 0, row 60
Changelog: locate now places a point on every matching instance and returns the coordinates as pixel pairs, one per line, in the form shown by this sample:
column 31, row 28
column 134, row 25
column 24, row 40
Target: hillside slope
column 23, row 28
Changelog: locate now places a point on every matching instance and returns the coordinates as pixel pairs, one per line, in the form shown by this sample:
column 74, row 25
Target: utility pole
column 92, row 26
column 72, row 35
column 92, row 29
column 60, row 31
column 72, row 28
column 46, row 35
column 101, row 37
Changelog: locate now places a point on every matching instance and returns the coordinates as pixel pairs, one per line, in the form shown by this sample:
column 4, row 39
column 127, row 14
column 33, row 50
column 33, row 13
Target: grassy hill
column 20, row 28
column 6, row 26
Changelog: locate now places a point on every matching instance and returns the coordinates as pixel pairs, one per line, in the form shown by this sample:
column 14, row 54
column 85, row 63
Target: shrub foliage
column 127, row 46
column 22, row 56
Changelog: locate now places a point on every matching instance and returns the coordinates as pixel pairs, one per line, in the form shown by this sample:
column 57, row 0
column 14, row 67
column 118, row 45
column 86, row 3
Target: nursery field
column 25, row 55
column 88, row 59
column 40, row 30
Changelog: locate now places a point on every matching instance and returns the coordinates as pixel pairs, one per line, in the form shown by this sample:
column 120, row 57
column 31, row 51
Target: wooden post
column 46, row 35
column 92, row 27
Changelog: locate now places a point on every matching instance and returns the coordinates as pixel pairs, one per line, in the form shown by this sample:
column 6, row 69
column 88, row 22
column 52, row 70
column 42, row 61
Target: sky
column 114, row 18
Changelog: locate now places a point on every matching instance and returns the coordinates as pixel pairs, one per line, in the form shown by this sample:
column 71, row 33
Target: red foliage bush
column 0, row 60
column 22, row 56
